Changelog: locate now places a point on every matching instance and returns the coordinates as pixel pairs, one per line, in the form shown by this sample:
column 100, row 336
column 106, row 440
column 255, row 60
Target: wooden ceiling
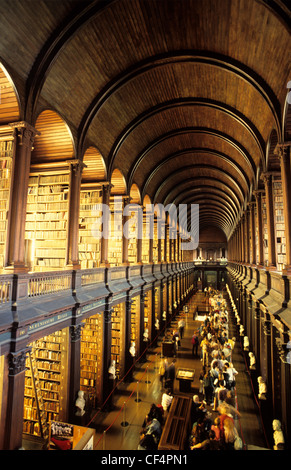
column 186, row 98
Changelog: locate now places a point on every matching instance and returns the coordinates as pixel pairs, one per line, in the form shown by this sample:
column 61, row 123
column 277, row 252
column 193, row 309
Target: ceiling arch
column 214, row 172
column 208, row 190
column 201, row 156
column 236, row 147
column 213, row 202
column 188, row 57
column 187, row 185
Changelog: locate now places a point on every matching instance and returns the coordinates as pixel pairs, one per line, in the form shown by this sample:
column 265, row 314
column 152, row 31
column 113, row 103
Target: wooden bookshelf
column 170, row 298
column 6, row 154
column 132, row 238
column 162, row 250
column 117, row 337
column 148, row 312
column 279, row 223
column 265, row 230
column 116, row 231
column 91, row 359
column 167, row 241
column 158, row 305
column 89, row 245
column 134, row 320
column 164, row 299
column 155, row 243
column 145, row 240
column 47, row 221
column 46, row 379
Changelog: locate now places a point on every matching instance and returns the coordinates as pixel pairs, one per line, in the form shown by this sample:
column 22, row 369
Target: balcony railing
column 16, row 287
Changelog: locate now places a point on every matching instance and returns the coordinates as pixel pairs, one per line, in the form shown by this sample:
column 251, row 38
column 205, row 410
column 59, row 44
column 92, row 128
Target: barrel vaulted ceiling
column 181, row 96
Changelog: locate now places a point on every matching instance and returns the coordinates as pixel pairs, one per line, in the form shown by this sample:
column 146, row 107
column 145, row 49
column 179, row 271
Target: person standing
column 170, row 375
column 181, row 326
column 195, row 343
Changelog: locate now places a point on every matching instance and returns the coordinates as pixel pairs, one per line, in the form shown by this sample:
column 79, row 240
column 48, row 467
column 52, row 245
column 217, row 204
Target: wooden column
column 15, row 404
column 247, row 235
column 74, row 362
column 105, row 225
column 253, row 233
column 106, row 388
column 24, row 135
column 283, row 151
column 241, row 242
column 72, row 258
column 125, row 234
column 139, row 234
column 267, row 178
column 258, row 196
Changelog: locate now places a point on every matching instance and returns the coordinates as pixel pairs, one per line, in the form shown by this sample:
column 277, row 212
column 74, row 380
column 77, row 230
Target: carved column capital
column 25, row 133
column 76, row 165
column 76, row 332
column 17, row 360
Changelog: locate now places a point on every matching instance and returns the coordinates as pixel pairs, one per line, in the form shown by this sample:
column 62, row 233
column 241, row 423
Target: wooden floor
column 119, row 429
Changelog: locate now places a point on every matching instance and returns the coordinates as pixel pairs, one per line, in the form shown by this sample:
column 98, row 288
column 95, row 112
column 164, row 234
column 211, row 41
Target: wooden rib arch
column 184, row 131
column 216, row 60
column 207, row 190
column 197, row 102
column 213, row 201
column 202, row 183
column 197, row 151
column 172, row 178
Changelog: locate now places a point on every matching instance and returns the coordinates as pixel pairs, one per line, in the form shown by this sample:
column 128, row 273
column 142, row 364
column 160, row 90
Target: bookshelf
column 91, row 357
column 167, row 241
column 45, row 382
column 146, row 239
column 174, row 290
column 157, row 307
column 265, row 230
column 279, row 223
column 6, row 154
column 162, row 241
column 148, row 312
column 132, row 224
column 134, row 323
column 164, row 298
column 155, row 243
column 170, row 296
column 47, row 221
column 117, row 337
column 89, row 245
column 116, row 232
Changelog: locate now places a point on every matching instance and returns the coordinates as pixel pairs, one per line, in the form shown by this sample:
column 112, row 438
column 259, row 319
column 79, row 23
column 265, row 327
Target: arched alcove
column 9, row 101
column 135, row 194
column 118, row 182
column 95, row 169
column 55, row 142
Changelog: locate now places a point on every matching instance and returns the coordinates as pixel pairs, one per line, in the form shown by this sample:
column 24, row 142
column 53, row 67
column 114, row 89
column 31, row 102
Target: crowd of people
column 213, row 414
column 215, row 428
